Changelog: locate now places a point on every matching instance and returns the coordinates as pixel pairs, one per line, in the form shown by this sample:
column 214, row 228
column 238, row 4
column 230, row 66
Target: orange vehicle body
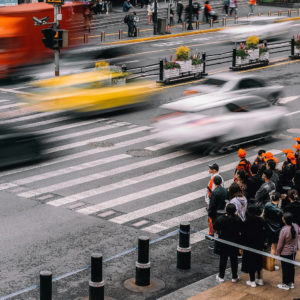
column 21, row 41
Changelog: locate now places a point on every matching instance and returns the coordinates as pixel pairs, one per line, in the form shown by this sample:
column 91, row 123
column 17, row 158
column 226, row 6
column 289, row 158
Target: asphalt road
column 109, row 182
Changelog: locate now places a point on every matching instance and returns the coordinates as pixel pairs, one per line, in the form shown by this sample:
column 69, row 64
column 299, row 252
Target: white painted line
column 131, row 61
column 198, row 236
column 28, row 117
column 12, row 91
column 4, row 107
column 196, row 214
column 288, row 99
column 4, row 100
column 68, row 170
column 96, row 176
column 45, row 197
column 76, row 205
column 96, row 140
column 159, row 146
column 107, row 213
column 294, row 130
column 140, row 223
column 157, row 189
column 46, row 122
column 7, row 185
column 293, row 113
column 79, row 155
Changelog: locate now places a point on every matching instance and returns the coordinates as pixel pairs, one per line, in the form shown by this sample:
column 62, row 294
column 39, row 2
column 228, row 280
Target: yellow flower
column 252, row 41
column 182, row 53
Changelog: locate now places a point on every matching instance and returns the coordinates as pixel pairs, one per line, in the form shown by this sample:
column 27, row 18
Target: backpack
column 126, row 19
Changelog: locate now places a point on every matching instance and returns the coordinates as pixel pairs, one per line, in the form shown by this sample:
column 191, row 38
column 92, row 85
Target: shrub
column 169, row 65
column 182, row 53
column 252, row 42
column 263, row 50
column 242, row 53
column 197, row 61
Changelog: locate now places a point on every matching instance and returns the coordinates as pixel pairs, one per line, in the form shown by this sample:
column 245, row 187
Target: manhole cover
column 139, row 153
column 101, row 144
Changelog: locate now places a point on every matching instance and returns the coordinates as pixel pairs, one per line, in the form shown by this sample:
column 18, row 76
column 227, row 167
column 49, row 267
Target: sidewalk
column 208, row 288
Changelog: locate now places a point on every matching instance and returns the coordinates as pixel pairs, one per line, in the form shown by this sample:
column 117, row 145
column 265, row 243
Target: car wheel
column 273, row 98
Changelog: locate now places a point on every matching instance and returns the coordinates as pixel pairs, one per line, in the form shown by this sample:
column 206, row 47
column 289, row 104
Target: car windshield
column 214, row 81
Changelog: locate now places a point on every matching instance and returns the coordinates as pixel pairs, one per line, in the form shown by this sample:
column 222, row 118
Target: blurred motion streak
column 21, row 42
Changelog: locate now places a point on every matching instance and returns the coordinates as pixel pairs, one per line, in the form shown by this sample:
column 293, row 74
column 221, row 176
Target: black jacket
column 253, row 184
column 263, row 193
column 294, row 209
column 217, row 201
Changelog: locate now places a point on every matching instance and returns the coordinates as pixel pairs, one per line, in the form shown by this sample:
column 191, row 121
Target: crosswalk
column 118, row 172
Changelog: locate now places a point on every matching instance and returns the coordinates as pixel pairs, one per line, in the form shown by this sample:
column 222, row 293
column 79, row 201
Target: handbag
column 268, row 263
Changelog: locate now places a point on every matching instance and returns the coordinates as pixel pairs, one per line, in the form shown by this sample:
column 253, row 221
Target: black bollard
column 293, row 46
column 204, row 63
column 184, row 248
column 233, row 57
column 161, row 70
column 96, row 284
column 142, row 270
column 45, row 285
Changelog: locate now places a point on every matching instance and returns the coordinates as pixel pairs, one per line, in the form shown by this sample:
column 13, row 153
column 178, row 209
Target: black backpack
column 126, row 19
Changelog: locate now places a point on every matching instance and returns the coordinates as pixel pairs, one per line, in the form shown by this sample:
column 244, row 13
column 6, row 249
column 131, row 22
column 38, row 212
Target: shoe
column 292, row 285
column 219, row 279
column 211, row 247
column 240, row 256
column 251, row 283
column 234, row 280
column 277, row 268
column 283, row 286
column 259, row 282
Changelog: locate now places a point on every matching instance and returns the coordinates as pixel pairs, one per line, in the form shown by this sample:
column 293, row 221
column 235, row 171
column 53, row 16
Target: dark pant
column 223, row 264
column 226, row 9
column 252, row 275
column 288, row 270
column 179, row 18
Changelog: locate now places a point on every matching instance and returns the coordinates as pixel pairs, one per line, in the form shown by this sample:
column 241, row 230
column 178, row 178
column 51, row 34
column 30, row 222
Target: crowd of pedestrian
column 259, row 210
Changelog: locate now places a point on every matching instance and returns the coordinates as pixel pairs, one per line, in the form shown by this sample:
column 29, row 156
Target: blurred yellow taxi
column 103, row 89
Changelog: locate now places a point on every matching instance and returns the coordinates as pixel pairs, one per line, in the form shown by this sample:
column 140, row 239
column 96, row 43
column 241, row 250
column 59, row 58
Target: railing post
column 211, row 22
column 184, row 248
column 85, row 38
column 142, row 266
column 224, row 21
column 197, row 25
column 269, row 13
column 102, row 36
column 289, row 12
column 96, row 284
column 161, row 70
column 298, row 11
column 234, row 57
column 120, row 34
column 138, row 32
column 293, row 46
column 259, row 14
column 183, row 26
column 45, row 285
column 236, row 19
column 204, row 63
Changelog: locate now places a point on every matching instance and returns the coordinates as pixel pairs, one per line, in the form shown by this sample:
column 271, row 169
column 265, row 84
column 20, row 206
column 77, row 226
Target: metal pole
column 235, row 19
column 45, row 285
column 96, row 284
column 183, row 26
column 184, row 248
column 269, row 13
column 102, row 36
column 142, row 266
column 234, row 57
column 86, row 38
column 204, row 63
column 56, row 51
column 293, row 46
column 211, row 22
column 161, row 70
column 224, row 22
column 289, row 12
column 190, row 26
column 168, row 13
column 154, row 17
column 197, row 25
column 120, row 34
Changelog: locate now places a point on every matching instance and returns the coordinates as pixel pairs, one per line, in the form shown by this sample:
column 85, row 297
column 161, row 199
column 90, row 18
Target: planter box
column 197, row 68
column 253, row 54
column 185, row 66
column 240, row 61
column 264, row 56
column 297, row 51
column 171, row 73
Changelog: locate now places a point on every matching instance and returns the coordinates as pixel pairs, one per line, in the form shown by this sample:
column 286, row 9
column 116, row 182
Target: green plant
column 197, row 61
column 242, row 53
column 263, row 50
column 297, row 44
column 182, row 53
column 169, row 65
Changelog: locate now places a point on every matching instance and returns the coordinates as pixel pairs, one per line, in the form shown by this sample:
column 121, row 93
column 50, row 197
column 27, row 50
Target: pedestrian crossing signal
column 55, row 38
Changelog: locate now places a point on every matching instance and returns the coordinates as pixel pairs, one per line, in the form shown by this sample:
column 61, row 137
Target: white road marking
column 30, row 117
column 288, row 99
column 294, row 130
column 96, row 176
column 198, row 236
column 131, row 61
column 196, row 214
column 159, row 146
column 12, row 91
column 46, row 122
column 4, row 100
column 293, row 113
column 96, row 140
column 3, row 107
column 79, row 155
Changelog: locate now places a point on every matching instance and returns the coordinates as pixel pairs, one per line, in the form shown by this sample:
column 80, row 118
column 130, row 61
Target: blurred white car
column 237, row 84
column 262, row 27
column 218, row 120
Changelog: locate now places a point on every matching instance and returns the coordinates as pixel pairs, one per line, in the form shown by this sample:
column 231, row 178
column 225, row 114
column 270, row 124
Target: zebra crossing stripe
column 28, row 117
column 46, row 122
column 159, row 146
column 198, row 236
column 71, row 169
column 79, row 155
column 96, row 140
column 156, row 189
column 3, row 107
column 4, row 100
column 193, row 215
column 97, row 191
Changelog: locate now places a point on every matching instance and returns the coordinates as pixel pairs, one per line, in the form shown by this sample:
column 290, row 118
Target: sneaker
column 283, row 286
column 277, row 268
column 292, row 285
column 251, row 283
column 211, row 247
column 235, row 279
column 259, row 282
column 219, row 279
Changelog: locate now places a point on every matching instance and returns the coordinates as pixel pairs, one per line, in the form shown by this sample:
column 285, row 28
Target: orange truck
column 21, row 41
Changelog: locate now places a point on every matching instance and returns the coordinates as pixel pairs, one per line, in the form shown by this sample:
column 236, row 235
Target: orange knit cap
column 296, row 147
column 242, row 153
column 297, row 139
column 291, row 157
column 286, row 151
column 268, row 156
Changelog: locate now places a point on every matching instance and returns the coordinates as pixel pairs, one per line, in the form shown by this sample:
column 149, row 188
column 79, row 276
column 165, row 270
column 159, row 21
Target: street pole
column 56, row 26
column 190, row 26
column 155, row 18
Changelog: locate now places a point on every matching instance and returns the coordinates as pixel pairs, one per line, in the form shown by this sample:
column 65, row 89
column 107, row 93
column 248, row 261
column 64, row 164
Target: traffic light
column 55, row 38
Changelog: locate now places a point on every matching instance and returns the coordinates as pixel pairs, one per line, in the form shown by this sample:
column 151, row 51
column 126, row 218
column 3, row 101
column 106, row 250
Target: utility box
column 161, row 26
